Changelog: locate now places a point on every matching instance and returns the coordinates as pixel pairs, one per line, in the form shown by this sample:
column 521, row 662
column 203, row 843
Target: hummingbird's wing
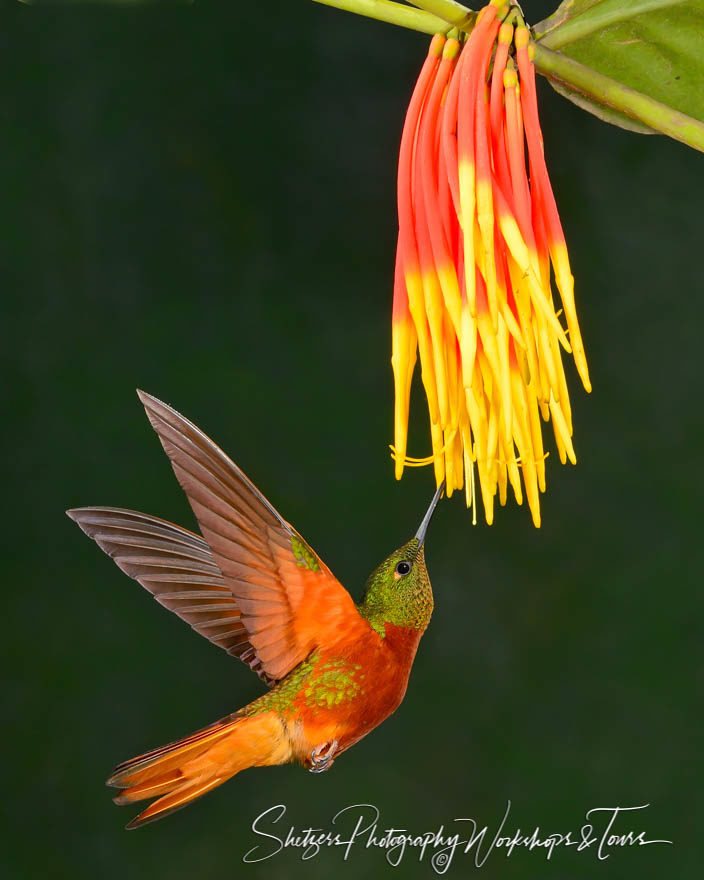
column 177, row 568
column 290, row 601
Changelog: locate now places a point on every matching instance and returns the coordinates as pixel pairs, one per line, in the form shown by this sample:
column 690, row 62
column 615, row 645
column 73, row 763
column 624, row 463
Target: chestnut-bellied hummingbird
column 253, row 586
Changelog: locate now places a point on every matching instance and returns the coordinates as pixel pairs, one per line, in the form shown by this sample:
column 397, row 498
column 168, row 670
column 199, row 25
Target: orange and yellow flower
column 478, row 234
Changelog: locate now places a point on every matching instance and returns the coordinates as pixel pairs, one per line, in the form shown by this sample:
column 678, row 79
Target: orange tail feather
column 182, row 771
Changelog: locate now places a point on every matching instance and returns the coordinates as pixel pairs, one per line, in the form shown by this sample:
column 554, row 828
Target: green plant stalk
column 594, row 20
column 613, row 94
column 448, row 10
column 393, row 13
column 553, row 65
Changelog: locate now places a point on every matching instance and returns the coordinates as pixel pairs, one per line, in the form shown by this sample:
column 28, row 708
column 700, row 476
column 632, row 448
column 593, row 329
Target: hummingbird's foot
column 321, row 757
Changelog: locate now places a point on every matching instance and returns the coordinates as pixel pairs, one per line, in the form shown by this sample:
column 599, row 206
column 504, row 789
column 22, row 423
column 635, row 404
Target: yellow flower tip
column 503, row 483
column 439, row 466
column 506, row 34
column 580, row 360
column 510, row 79
column 522, row 36
column 437, row 45
column 451, row 49
column 582, row 369
column 569, row 450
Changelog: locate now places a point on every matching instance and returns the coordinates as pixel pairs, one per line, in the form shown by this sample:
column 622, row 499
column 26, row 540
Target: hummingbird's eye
column 402, row 568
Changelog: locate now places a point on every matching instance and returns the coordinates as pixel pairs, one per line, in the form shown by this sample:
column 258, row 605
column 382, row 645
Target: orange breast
column 354, row 686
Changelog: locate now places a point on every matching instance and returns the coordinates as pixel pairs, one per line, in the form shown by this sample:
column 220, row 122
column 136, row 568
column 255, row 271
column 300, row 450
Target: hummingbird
column 254, row 587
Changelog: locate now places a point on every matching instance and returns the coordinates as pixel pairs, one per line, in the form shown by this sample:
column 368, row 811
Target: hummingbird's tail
column 180, row 772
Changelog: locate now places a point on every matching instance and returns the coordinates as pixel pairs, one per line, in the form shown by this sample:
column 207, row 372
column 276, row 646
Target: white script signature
column 359, row 826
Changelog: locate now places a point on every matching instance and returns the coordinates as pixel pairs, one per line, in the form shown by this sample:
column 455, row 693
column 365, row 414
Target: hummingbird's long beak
column 420, row 534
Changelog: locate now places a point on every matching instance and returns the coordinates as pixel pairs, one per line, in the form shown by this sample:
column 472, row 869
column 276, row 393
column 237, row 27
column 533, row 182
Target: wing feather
column 289, row 600
column 178, row 569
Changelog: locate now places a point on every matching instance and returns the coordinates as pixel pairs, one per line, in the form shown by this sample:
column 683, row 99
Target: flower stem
column 448, row 10
column 393, row 13
column 613, row 94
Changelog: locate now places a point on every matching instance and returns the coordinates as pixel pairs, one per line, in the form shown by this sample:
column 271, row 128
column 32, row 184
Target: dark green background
column 199, row 201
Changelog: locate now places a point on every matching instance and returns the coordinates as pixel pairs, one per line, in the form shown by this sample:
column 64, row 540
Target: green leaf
column 565, row 12
column 653, row 48
column 606, row 114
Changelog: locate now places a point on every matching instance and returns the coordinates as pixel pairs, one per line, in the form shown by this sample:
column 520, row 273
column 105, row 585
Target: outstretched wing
column 290, row 602
column 178, row 569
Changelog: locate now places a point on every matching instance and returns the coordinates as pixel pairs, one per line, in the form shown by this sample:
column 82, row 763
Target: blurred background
column 199, row 201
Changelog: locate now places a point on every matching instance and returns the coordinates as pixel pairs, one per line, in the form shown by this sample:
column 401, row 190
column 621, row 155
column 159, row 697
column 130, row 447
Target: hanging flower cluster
column 472, row 294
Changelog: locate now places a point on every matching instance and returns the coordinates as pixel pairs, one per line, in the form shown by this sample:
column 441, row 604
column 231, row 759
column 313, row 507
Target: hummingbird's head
column 399, row 591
